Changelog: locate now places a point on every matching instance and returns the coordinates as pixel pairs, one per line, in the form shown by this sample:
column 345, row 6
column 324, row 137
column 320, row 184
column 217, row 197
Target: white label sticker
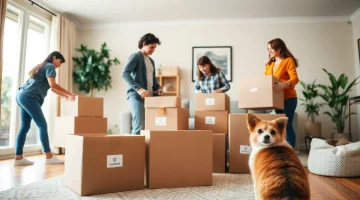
column 114, row 161
column 209, row 101
column 253, row 89
column 160, row 121
column 245, row 149
column 209, row 120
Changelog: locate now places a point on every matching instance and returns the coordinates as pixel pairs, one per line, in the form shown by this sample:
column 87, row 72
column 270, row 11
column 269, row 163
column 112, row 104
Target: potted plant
column 336, row 96
column 92, row 69
column 312, row 108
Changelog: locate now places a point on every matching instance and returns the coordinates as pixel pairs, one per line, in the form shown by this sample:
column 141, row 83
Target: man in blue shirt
column 139, row 73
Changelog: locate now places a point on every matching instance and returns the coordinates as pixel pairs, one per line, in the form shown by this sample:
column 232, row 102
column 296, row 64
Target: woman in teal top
column 30, row 98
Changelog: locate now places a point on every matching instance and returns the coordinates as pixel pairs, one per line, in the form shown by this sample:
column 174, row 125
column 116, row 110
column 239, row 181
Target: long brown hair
column 203, row 60
column 49, row 59
column 277, row 44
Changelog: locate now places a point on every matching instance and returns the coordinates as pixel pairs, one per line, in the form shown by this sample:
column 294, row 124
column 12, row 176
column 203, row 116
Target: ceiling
column 115, row 11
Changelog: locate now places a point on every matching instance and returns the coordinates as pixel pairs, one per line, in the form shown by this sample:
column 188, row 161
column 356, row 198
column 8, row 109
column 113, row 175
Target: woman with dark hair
column 209, row 78
column 30, row 98
column 282, row 65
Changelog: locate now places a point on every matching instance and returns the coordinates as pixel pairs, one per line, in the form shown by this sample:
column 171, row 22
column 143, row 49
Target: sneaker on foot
column 54, row 160
column 23, row 162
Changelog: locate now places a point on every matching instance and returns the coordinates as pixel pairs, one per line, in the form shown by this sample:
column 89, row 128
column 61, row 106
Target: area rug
column 225, row 186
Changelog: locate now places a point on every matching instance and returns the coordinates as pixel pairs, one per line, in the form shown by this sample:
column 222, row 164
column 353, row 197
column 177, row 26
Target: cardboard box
column 179, row 158
column 163, row 102
column 83, row 106
column 217, row 121
column 165, row 113
column 169, row 70
column 219, row 152
column 104, row 164
column 216, row 101
column 77, row 125
column 239, row 145
column 258, row 93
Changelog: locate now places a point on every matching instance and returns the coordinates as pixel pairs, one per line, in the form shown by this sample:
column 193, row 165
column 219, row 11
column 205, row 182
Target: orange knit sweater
column 286, row 72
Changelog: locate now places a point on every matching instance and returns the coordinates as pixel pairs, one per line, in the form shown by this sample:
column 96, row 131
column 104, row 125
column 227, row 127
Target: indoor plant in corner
column 92, row 69
column 336, row 96
column 312, row 108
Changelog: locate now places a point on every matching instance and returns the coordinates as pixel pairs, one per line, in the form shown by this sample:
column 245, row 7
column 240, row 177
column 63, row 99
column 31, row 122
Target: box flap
column 163, row 102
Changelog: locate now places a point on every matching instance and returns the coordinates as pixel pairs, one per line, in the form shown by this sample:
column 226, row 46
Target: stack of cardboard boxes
column 171, row 155
column 211, row 113
column 176, row 156
column 94, row 162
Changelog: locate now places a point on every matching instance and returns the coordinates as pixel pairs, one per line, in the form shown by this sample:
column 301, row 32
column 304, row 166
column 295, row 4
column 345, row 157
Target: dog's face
column 266, row 133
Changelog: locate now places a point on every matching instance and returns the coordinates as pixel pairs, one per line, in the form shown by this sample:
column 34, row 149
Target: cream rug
column 225, row 186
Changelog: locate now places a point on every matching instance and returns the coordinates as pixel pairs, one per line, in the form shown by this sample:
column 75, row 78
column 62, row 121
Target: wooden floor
column 322, row 188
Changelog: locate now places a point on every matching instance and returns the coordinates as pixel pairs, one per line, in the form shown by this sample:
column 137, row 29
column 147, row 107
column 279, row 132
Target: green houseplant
column 312, row 108
column 92, row 69
column 336, row 96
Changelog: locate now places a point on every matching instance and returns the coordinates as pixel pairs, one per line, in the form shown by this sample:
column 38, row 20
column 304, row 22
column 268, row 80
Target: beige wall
column 356, row 35
column 317, row 44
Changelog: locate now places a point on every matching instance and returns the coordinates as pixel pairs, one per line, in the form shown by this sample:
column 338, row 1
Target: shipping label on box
column 114, row 161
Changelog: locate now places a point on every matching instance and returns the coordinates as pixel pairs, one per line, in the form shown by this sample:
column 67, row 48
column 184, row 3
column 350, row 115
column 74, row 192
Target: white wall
column 325, row 43
column 356, row 35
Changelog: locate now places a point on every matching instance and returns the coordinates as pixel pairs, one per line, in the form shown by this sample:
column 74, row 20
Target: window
column 26, row 44
column 9, row 76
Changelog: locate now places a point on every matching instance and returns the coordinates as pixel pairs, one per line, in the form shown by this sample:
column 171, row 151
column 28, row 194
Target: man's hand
column 160, row 92
column 143, row 93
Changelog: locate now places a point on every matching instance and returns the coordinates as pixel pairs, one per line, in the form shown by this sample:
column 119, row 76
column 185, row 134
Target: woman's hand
column 280, row 86
column 71, row 97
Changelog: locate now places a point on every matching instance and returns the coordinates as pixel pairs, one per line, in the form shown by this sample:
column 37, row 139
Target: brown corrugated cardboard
column 216, row 101
column 77, row 125
column 83, row 106
column 219, row 152
column 169, row 70
column 104, row 164
column 166, row 119
column 217, row 121
column 239, row 145
column 179, row 158
column 258, row 93
column 163, row 102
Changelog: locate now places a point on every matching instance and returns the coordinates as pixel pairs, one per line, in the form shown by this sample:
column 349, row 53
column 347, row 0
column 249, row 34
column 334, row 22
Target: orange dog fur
column 275, row 168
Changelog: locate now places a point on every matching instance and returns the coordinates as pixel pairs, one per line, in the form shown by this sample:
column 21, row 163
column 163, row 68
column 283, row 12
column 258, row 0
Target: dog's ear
column 251, row 121
column 281, row 123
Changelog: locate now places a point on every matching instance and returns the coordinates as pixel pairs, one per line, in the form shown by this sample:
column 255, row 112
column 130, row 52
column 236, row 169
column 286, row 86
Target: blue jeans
column 289, row 110
column 138, row 114
column 30, row 108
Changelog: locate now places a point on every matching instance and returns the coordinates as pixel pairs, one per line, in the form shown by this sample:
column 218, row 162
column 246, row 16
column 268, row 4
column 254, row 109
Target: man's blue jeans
column 138, row 114
column 289, row 110
column 30, row 108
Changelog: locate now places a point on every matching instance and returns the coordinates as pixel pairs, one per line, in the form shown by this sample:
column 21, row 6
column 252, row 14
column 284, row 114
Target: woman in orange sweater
column 282, row 65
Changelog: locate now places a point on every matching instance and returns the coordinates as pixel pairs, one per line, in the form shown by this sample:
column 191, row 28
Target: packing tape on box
column 161, row 111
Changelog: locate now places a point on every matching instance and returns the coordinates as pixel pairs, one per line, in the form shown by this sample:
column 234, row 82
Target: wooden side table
column 352, row 100
column 308, row 142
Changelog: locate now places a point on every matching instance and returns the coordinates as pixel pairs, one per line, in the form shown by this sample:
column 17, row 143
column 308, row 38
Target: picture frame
column 220, row 56
column 358, row 42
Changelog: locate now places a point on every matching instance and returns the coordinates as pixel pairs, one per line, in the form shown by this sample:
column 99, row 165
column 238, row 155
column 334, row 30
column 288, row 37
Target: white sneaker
column 23, row 162
column 54, row 160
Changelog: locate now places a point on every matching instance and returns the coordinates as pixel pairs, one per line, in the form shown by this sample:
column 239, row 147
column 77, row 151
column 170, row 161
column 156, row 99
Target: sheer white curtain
column 62, row 39
column 3, row 4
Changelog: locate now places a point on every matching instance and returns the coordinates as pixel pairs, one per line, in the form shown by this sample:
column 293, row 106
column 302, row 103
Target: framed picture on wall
column 220, row 56
column 358, row 41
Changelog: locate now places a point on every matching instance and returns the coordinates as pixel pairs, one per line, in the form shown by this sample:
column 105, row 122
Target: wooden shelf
column 175, row 79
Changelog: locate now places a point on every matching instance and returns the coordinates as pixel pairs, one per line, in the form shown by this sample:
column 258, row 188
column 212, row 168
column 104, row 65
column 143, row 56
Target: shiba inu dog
column 275, row 168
